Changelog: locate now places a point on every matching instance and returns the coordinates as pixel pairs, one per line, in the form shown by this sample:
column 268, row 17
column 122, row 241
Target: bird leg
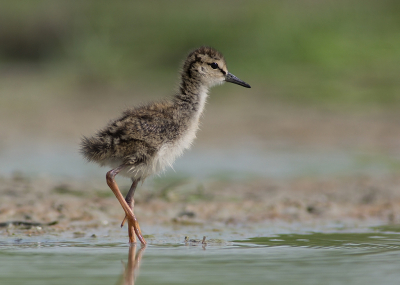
column 133, row 224
column 129, row 197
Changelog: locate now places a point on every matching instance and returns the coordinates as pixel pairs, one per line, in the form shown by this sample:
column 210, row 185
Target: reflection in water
column 131, row 270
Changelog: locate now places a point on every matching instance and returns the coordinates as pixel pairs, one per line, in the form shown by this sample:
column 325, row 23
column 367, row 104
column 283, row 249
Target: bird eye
column 214, row 65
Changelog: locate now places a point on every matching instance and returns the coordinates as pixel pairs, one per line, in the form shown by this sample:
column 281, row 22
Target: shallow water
column 367, row 256
column 60, row 161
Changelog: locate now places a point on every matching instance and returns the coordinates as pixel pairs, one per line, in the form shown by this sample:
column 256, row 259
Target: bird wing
column 152, row 126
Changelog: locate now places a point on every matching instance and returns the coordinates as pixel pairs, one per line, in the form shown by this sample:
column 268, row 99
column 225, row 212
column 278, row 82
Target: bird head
column 208, row 66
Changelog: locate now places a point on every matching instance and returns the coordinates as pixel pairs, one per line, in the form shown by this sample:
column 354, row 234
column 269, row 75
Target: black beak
column 233, row 79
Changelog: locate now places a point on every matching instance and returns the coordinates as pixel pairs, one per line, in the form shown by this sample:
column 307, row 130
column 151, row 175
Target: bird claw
column 124, row 220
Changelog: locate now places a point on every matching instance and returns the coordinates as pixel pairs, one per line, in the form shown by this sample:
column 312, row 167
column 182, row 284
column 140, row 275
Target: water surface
column 60, row 161
column 369, row 256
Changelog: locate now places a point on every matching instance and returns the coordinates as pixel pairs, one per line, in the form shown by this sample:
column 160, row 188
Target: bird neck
column 192, row 95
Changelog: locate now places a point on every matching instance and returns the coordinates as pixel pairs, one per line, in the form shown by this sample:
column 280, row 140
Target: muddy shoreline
column 75, row 207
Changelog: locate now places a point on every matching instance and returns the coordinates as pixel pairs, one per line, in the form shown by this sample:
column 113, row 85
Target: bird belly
column 164, row 157
column 169, row 151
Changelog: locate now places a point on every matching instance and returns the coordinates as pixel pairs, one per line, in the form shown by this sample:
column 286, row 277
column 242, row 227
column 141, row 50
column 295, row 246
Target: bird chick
column 147, row 139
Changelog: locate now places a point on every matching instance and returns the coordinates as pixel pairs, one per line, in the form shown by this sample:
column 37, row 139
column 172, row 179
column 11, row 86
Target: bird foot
column 134, row 228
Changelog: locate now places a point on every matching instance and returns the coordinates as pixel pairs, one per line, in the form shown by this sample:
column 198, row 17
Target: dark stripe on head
column 219, row 68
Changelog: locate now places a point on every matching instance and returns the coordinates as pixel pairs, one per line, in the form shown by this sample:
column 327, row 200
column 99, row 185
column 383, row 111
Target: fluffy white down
column 170, row 151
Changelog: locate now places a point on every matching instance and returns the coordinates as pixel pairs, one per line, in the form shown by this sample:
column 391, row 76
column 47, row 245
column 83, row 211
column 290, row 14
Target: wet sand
column 75, row 207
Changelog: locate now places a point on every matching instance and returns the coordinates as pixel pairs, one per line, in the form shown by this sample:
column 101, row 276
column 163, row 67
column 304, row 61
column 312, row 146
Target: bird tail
column 94, row 149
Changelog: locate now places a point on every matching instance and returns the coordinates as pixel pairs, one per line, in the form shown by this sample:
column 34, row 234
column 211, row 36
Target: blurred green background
column 336, row 54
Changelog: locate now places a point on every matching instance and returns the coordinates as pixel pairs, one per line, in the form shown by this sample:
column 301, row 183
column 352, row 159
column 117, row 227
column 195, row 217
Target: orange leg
column 133, row 224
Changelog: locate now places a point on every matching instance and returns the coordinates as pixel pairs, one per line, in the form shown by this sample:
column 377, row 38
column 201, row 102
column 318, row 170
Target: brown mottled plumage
column 145, row 140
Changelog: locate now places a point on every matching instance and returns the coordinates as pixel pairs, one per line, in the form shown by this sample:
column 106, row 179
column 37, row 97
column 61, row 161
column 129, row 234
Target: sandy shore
column 74, row 206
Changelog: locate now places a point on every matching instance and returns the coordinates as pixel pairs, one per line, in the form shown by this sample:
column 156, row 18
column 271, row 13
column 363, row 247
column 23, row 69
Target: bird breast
column 169, row 151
